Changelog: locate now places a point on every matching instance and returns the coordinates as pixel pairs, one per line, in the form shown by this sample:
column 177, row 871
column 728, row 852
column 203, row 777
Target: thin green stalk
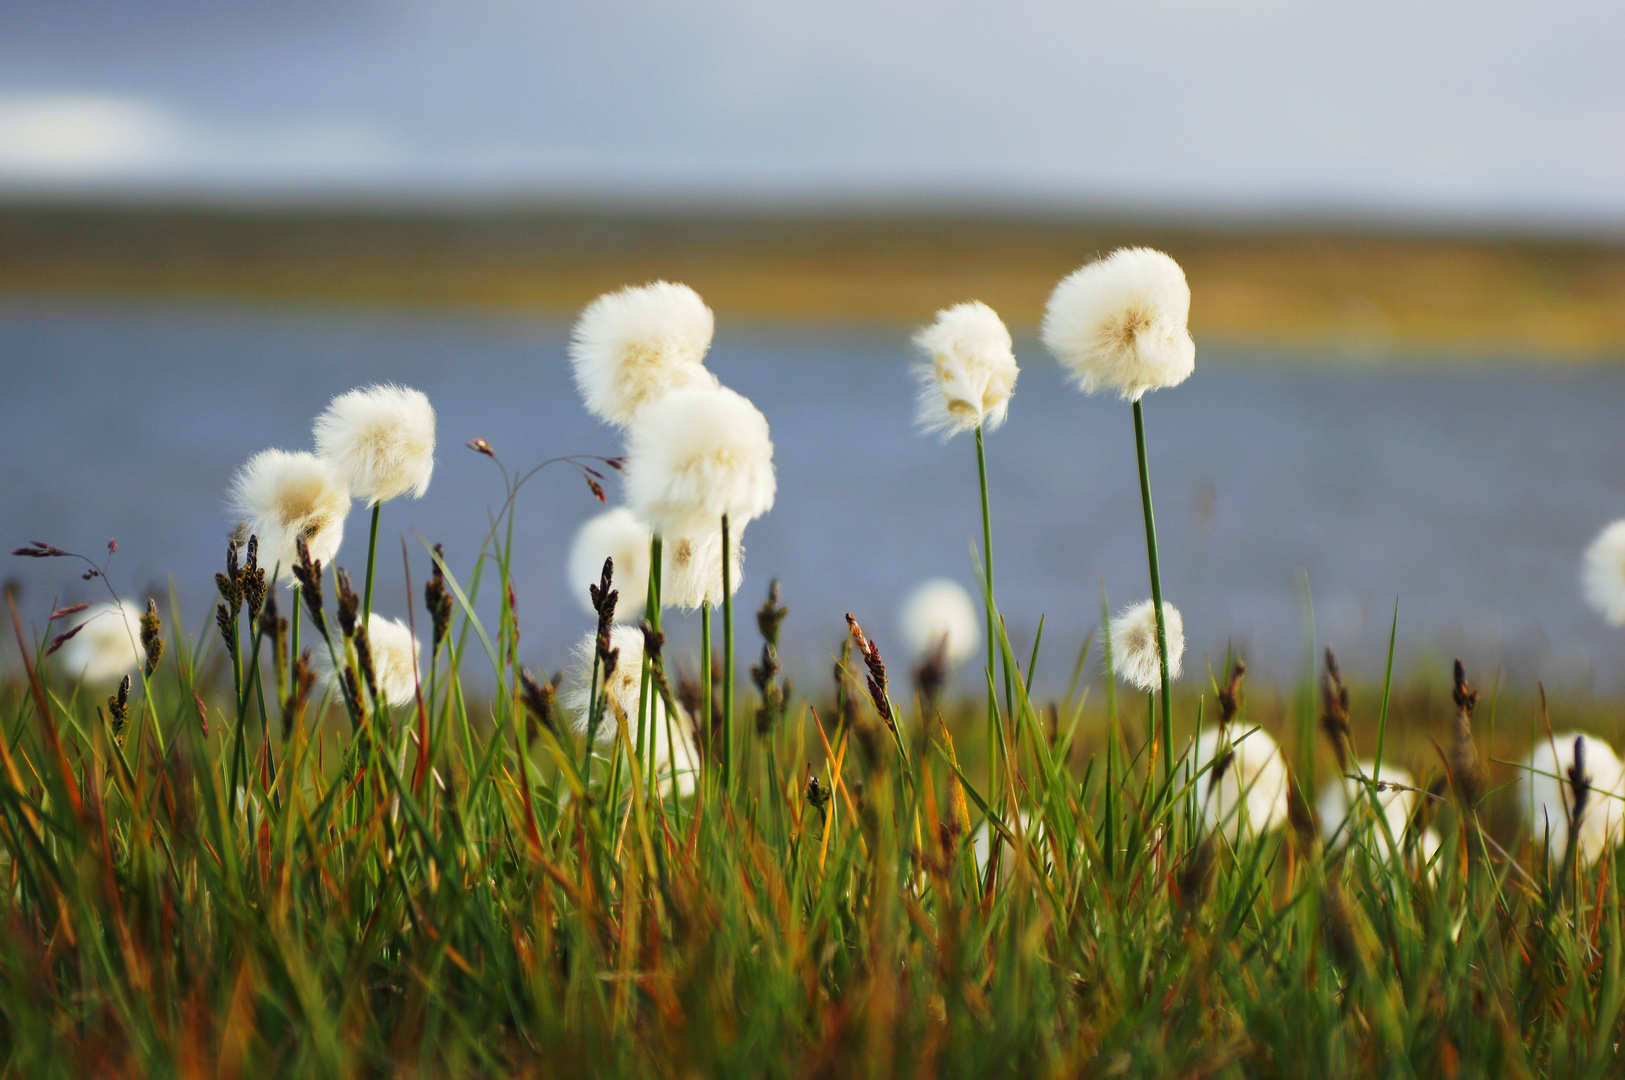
column 705, row 680
column 993, row 741
column 727, row 662
column 372, row 551
column 1156, row 591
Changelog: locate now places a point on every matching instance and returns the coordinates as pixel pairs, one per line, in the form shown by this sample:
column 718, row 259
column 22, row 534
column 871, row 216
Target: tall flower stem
column 646, row 693
column 293, row 645
column 1156, row 593
column 705, row 683
column 987, row 603
column 372, row 551
column 727, row 662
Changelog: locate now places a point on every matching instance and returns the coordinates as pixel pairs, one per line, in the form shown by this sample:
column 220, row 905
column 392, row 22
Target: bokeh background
column 1404, row 227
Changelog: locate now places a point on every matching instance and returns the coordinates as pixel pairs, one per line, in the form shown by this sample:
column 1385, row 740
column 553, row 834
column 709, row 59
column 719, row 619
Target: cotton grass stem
column 987, row 602
column 1167, row 734
column 727, row 662
column 372, row 552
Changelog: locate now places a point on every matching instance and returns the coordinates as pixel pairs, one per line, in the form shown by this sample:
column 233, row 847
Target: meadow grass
column 224, row 870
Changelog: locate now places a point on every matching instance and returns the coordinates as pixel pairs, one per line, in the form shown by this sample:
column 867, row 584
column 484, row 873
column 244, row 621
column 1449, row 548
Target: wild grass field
column 1362, row 289
column 309, row 839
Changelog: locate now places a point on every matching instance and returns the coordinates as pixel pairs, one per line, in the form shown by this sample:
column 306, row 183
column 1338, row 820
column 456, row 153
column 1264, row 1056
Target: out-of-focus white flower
column 1547, row 796
column 971, row 372
column 109, row 645
column 1602, row 574
column 1340, row 793
column 379, row 441
column 1243, row 790
column 1119, row 323
column 695, row 455
column 691, row 568
column 395, row 655
column 637, row 345
column 1134, row 644
column 941, row 613
column 615, row 534
column 982, row 846
column 281, row 497
column 623, row 687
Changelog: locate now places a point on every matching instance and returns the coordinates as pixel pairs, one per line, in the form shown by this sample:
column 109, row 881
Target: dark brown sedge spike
column 152, row 637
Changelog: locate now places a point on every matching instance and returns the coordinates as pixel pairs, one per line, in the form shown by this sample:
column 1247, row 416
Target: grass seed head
column 378, row 442
column 1135, row 658
column 970, row 371
column 1119, row 324
column 285, row 499
column 152, row 637
column 633, row 347
column 697, row 455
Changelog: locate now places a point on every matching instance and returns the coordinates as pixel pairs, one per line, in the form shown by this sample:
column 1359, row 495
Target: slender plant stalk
column 372, row 551
column 293, row 643
column 987, row 606
column 1156, row 593
column 646, row 694
column 727, row 662
column 705, row 680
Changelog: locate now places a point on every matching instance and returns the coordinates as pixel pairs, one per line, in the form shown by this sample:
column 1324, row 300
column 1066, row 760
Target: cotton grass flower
column 1134, row 644
column 691, row 569
column 1244, row 793
column 940, row 613
column 1340, row 794
column 623, row 688
column 971, row 373
column 107, row 647
column 615, row 534
column 1546, row 794
column 1602, row 574
column 282, row 497
column 395, row 654
column 1118, row 324
column 635, row 346
column 379, row 441
column 695, row 455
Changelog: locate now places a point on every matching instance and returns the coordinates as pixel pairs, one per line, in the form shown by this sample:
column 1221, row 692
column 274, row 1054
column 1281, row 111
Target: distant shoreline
column 1365, row 290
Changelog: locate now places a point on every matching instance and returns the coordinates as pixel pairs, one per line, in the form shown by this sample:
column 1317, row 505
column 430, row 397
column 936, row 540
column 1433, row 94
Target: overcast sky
column 1484, row 109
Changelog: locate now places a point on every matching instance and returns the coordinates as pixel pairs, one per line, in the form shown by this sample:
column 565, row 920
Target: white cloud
column 80, row 136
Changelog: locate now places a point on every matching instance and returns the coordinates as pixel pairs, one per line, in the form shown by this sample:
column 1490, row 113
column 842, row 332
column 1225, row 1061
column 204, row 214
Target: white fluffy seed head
column 615, row 534
column 1244, row 793
column 691, row 568
column 1119, row 323
column 970, row 372
column 1134, row 644
column 696, row 455
column 635, row 346
column 281, row 497
column 1546, row 794
column 395, row 654
column 623, row 688
column 940, row 612
column 379, row 441
column 1602, row 574
column 109, row 645
column 1339, row 794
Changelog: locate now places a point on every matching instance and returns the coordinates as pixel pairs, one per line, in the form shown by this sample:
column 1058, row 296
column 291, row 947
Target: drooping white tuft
column 1602, row 574
column 109, row 645
column 379, row 440
column 971, row 371
column 281, row 497
column 395, row 654
column 1134, row 644
column 1546, row 794
column 1119, row 323
column 696, row 455
column 940, row 612
column 1243, row 790
column 615, row 534
column 632, row 347
column 623, row 687
column 1340, row 793
column 691, row 568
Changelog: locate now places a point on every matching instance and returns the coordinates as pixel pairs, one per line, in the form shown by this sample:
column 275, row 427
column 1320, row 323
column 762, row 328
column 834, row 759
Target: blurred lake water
column 1466, row 492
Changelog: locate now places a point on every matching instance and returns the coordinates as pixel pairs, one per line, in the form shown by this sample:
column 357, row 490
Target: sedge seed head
column 970, row 370
column 1119, row 324
column 284, row 497
column 1134, row 644
column 633, row 347
column 696, row 455
column 379, row 441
